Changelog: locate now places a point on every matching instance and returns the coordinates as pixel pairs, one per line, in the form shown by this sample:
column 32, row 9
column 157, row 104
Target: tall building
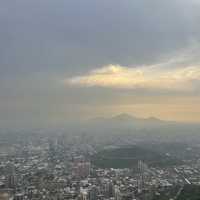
column 117, row 193
column 82, row 169
column 83, row 194
column 19, row 196
column 93, row 193
column 11, row 176
column 4, row 196
column 108, row 189
column 142, row 169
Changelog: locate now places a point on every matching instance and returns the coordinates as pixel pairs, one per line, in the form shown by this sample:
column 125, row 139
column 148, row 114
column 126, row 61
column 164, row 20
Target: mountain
column 154, row 119
column 124, row 118
column 129, row 156
column 143, row 129
column 127, row 119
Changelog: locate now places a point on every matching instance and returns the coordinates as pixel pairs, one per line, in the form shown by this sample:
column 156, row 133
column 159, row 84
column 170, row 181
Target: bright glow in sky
column 116, row 76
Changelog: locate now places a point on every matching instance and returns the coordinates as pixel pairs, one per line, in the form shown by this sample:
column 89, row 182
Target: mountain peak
column 152, row 119
column 124, row 117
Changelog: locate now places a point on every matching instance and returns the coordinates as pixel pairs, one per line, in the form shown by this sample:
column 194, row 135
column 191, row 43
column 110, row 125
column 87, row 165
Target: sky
column 72, row 59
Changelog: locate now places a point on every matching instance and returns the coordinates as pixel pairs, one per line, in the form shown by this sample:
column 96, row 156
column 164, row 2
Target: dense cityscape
column 61, row 167
column 99, row 99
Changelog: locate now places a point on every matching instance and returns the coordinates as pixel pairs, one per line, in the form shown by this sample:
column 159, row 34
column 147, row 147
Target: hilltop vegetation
column 127, row 157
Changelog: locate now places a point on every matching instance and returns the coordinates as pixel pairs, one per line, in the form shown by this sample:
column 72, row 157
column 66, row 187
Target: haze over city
column 71, row 60
column 99, row 99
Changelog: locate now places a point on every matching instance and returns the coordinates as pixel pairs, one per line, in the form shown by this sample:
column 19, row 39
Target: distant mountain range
column 142, row 128
column 127, row 119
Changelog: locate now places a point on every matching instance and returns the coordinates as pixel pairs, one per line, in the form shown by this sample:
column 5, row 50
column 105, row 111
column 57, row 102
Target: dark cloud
column 73, row 35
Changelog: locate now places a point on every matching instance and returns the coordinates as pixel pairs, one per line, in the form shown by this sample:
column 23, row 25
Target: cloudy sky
column 77, row 59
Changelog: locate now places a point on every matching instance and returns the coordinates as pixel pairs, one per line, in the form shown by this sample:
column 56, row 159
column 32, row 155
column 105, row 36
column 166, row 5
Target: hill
column 128, row 157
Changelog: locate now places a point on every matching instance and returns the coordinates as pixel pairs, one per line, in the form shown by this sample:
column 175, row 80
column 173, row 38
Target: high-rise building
column 4, row 196
column 93, row 193
column 11, row 176
column 108, row 189
column 82, row 169
column 19, row 196
column 83, row 194
column 142, row 169
column 117, row 193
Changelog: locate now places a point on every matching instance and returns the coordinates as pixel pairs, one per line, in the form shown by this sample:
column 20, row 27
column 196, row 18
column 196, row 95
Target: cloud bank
column 146, row 77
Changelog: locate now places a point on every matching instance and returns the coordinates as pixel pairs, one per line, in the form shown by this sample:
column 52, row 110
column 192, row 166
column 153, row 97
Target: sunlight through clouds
column 147, row 77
